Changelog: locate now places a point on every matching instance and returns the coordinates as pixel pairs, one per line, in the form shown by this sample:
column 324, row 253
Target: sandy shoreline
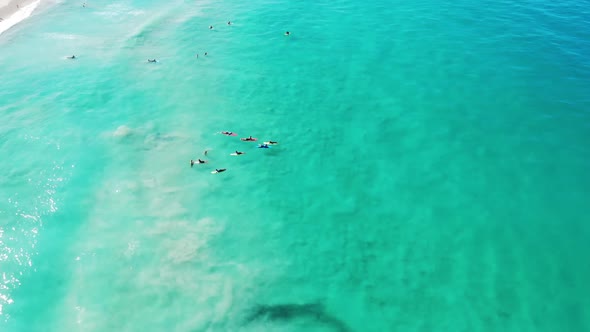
column 14, row 11
column 9, row 7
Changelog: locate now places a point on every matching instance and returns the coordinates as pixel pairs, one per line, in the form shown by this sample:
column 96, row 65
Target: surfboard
column 269, row 143
column 260, row 146
column 215, row 172
column 235, row 154
column 245, row 139
column 232, row 134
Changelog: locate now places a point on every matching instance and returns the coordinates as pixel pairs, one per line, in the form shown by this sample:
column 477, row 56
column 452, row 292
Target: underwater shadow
column 286, row 312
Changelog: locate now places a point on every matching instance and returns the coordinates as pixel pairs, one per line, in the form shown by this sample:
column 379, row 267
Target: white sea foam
column 62, row 36
column 20, row 15
column 122, row 131
column 119, row 10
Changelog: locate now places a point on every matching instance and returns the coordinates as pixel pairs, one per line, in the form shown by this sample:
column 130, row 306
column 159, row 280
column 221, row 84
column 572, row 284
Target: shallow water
column 431, row 172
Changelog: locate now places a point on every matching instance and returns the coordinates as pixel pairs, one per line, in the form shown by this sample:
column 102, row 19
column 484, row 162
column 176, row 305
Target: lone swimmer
column 228, row 22
column 287, row 33
column 210, row 27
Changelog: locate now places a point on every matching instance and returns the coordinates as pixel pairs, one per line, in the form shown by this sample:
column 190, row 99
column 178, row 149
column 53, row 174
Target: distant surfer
column 273, row 142
column 287, row 33
column 210, row 27
column 263, row 146
column 228, row 22
column 239, row 152
column 72, row 57
column 219, row 170
column 152, row 60
column 228, row 133
column 205, row 53
column 250, row 138
column 205, row 152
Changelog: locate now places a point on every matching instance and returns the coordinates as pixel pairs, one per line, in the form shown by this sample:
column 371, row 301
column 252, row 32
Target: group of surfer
column 199, row 161
column 211, row 27
column 287, row 33
column 264, row 145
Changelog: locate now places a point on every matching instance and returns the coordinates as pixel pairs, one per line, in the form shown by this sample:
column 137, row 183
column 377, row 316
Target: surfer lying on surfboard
column 199, row 161
column 228, row 133
column 218, row 170
column 249, row 139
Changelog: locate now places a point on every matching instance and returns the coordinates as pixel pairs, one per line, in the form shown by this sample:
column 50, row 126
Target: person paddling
column 199, row 161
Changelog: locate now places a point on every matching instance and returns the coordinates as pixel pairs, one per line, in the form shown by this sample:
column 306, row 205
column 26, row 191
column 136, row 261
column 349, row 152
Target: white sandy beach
column 14, row 11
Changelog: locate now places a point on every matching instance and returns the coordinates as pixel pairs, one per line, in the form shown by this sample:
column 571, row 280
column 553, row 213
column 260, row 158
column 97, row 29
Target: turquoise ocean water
column 432, row 172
